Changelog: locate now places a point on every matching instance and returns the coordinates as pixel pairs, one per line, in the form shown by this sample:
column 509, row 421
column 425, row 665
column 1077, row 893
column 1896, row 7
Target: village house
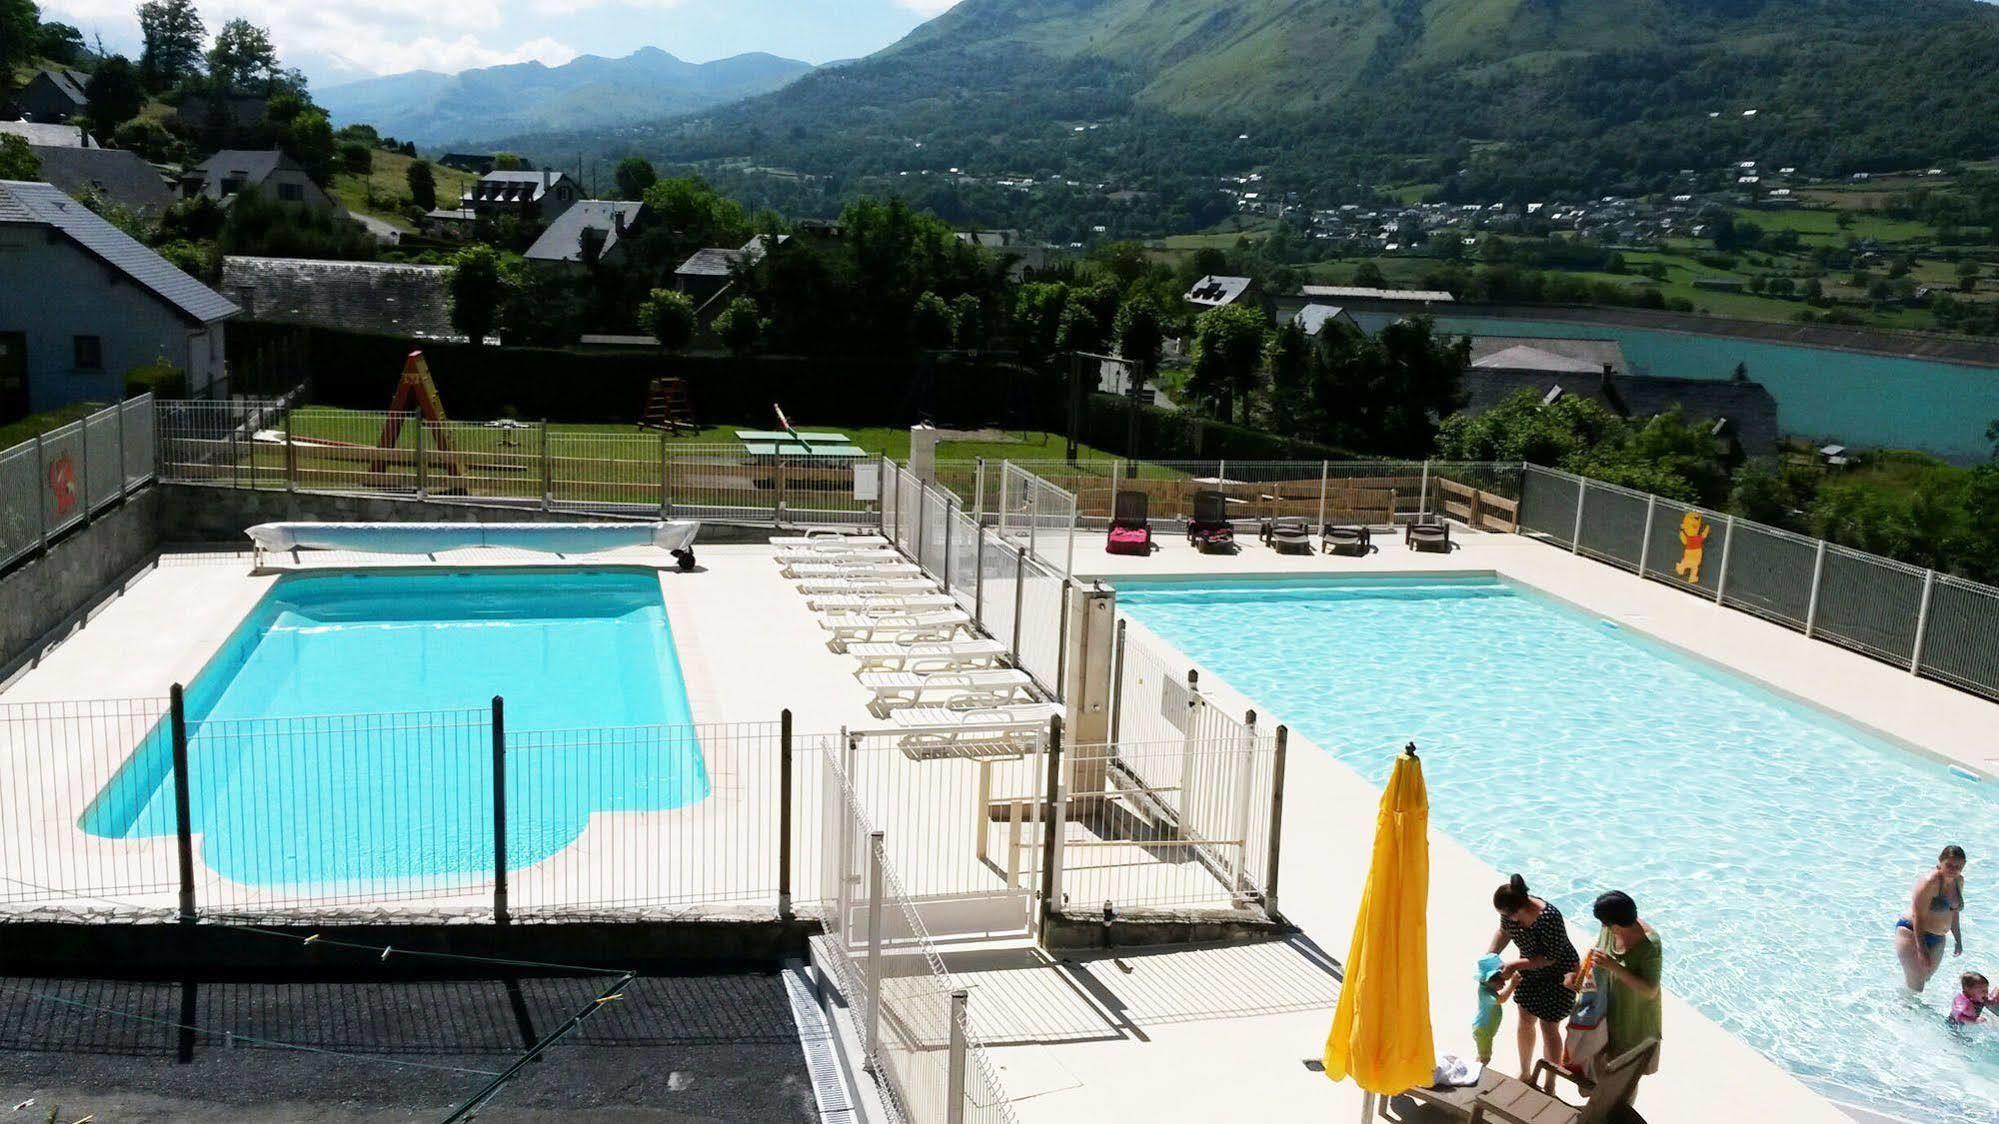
column 55, row 95
column 592, row 231
column 538, row 196
column 272, row 174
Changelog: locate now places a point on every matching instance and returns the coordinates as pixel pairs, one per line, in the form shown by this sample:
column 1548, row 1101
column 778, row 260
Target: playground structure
column 668, row 407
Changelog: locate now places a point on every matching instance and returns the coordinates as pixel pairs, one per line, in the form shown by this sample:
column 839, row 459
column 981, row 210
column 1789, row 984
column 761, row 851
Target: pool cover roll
column 426, row 538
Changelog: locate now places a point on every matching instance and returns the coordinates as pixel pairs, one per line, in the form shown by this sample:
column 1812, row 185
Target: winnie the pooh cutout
column 1693, row 539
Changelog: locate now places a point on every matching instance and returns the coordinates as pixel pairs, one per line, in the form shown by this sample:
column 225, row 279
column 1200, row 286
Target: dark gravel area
column 674, row 1048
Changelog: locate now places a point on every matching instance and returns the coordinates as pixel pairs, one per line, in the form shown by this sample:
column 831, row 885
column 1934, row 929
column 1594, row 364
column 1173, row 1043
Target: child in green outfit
column 1492, row 997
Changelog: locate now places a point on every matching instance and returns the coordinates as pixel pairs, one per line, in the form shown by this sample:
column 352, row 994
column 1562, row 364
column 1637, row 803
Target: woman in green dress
column 1630, row 954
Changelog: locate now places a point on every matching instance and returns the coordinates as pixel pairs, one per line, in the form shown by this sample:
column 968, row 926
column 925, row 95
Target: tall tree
column 930, row 322
column 476, row 287
column 173, row 34
column 634, row 175
column 116, row 94
column 60, row 43
column 423, row 184
column 243, row 58
column 1141, row 335
column 740, row 326
column 19, row 22
column 17, row 160
column 1293, row 410
column 1228, row 352
column 668, row 316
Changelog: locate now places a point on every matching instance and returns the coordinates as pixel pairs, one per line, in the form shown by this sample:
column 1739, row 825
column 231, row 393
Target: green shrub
column 160, row 377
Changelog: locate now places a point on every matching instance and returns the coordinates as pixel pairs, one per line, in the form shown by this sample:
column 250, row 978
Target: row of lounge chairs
column 921, row 659
column 1212, row 532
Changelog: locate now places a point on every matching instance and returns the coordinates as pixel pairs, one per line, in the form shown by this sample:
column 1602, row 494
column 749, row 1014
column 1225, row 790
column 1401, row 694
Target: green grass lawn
column 28, row 428
column 385, row 190
column 1824, row 226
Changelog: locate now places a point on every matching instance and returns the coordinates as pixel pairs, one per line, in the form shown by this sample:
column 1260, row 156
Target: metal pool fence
column 1935, row 625
column 1014, row 596
column 1375, row 493
column 915, row 1021
column 252, row 443
column 63, row 478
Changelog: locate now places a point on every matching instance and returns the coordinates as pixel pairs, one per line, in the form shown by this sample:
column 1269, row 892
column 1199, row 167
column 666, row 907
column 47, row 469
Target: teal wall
column 1856, row 398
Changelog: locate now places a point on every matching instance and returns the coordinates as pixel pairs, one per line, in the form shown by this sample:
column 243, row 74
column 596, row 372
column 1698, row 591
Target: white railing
column 1039, row 516
column 53, row 482
column 1935, row 625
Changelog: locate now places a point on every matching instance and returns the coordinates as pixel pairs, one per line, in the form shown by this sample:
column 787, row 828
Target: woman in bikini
column 1919, row 936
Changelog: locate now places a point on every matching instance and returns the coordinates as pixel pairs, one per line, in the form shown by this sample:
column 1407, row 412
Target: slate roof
column 1558, row 354
column 72, row 83
column 1748, row 407
column 115, row 174
column 254, row 165
column 1524, row 357
column 1313, row 318
column 39, row 204
column 717, row 261
column 1214, row 291
column 388, row 298
column 563, row 240
column 40, row 134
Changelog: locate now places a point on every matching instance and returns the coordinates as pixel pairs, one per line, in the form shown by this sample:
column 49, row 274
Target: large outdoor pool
column 343, row 734
column 1772, row 846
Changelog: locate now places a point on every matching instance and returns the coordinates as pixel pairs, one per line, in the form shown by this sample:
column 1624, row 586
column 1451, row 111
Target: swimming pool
column 342, row 735
column 1772, row 845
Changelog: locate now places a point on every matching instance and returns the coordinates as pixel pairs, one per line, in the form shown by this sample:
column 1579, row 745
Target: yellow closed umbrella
column 1381, row 1028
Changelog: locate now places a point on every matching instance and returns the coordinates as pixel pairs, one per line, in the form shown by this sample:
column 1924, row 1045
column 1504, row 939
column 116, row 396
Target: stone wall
column 43, row 593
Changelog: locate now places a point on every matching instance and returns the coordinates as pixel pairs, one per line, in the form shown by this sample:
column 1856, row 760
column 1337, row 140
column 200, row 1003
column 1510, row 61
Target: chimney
column 618, row 220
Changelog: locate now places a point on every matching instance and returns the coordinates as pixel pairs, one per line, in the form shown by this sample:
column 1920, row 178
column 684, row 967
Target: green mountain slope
column 586, row 92
column 1491, row 96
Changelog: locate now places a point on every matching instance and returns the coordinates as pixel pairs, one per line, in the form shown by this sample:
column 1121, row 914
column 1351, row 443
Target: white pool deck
column 1188, row 1034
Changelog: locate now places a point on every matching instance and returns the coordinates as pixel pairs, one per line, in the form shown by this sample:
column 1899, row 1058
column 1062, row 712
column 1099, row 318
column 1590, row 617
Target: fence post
column 500, row 916
column 873, row 1040
column 979, row 575
column 922, row 501
column 123, row 477
column 1423, row 495
column 1114, row 475
column 1812, row 606
column 945, row 577
column 1006, row 487
column 547, row 472
column 979, row 492
column 1325, row 471
column 665, row 494
column 1245, row 776
column 291, row 455
column 1645, row 539
column 1019, row 588
column 954, row 1103
column 1922, row 623
column 1276, row 823
column 784, row 815
column 1576, row 538
column 183, row 819
column 1727, row 541
column 421, row 489
column 1117, row 680
column 83, row 464
column 1051, row 840
column 41, row 495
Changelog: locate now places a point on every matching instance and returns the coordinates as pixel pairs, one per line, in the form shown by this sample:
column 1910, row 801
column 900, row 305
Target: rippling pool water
column 1771, row 845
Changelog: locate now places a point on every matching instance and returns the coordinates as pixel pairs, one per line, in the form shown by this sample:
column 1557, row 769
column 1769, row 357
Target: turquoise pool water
column 1860, row 398
column 342, row 734
column 1772, row 846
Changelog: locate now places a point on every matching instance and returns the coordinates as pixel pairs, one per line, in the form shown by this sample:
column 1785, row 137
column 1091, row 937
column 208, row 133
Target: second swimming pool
column 1771, row 845
column 342, row 734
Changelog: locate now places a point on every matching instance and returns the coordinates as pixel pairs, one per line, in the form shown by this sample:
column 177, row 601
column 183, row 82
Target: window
column 89, row 353
column 291, row 193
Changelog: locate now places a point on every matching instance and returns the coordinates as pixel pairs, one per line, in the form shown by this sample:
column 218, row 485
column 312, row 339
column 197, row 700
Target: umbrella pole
column 1366, row 1107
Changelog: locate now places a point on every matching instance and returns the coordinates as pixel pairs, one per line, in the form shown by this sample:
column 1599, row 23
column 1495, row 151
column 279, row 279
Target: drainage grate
column 815, row 1037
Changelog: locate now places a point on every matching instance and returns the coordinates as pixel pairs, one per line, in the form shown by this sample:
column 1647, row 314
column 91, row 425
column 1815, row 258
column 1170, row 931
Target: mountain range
column 1491, row 97
column 588, row 92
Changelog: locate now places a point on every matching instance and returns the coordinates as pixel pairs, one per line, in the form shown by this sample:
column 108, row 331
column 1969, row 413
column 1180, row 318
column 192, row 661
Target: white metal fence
column 1013, row 595
column 62, row 478
column 251, row 443
column 1039, row 516
column 1933, row 624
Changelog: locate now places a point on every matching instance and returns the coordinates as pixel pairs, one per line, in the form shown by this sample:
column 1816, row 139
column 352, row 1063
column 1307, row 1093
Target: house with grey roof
column 1550, row 354
column 234, row 172
column 111, row 174
column 708, row 272
column 1214, row 291
column 591, row 231
column 82, row 303
column 55, row 95
column 383, row 298
column 539, row 196
column 1313, row 319
column 1025, row 259
column 41, row 135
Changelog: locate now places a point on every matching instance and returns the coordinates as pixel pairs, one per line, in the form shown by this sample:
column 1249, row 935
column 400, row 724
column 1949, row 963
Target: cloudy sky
column 340, row 40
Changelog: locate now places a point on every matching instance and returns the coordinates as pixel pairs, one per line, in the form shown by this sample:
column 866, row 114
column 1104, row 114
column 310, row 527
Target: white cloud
column 571, row 7
column 928, row 8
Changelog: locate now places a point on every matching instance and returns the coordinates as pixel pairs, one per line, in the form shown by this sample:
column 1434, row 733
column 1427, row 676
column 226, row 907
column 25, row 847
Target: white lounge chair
column 840, row 568
column 834, row 539
column 936, row 731
column 954, row 655
column 870, row 585
column 879, row 602
column 954, row 690
column 905, row 628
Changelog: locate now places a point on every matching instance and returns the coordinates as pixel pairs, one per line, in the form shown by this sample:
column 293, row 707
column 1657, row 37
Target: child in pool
column 1974, row 997
column 1492, row 997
